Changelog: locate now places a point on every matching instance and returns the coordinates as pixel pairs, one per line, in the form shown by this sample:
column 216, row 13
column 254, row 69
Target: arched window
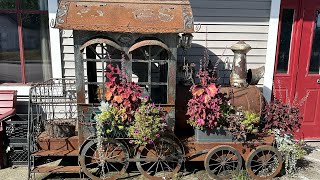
column 97, row 54
column 150, row 60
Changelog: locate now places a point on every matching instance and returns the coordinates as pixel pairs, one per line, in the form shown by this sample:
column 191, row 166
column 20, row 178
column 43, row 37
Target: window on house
column 314, row 67
column 24, row 41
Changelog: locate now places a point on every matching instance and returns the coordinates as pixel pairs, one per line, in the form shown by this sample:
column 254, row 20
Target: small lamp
column 186, row 40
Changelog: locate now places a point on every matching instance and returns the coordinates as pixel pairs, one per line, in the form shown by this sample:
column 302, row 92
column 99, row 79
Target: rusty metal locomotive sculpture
column 142, row 36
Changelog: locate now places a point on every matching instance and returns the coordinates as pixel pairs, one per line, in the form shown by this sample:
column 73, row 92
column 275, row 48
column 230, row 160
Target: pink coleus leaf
column 118, row 99
column 116, row 70
column 197, row 91
column 212, row 90
column 110, row 67
column 200, row 122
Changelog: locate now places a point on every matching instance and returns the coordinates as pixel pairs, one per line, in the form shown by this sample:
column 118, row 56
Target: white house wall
column 219, row 24
column 224, row 22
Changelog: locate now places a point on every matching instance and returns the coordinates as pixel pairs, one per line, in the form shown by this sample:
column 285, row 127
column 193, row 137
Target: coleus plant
column 282, row 116
column 204, row 108
column 122, row 94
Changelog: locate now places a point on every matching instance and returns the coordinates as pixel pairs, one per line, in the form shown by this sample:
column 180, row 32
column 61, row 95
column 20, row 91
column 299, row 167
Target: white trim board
column 22, row 90
column 271, row 48
column 55, row 49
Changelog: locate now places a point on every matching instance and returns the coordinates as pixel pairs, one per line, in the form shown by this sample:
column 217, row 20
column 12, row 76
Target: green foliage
column 241, row 123
column 292, row 150
column 241, row 175
column 111, row 118
column 250, row 122
column 149, row 121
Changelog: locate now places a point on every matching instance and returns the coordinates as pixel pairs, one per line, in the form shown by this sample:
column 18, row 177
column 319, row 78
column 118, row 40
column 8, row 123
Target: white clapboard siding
column 219, row 24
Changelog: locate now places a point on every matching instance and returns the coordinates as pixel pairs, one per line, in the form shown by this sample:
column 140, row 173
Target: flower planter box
column 213, row 135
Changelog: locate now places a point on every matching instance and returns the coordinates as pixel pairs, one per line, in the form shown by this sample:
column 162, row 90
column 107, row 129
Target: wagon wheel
column 222, row 162
column 160, row 160
column 108, row 164
column 264, row 163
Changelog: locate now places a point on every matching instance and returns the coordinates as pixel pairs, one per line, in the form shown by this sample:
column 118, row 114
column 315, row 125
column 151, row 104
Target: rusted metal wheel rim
column 264, row 163
column 111, row 166
column 160, row 160
column 222, row 162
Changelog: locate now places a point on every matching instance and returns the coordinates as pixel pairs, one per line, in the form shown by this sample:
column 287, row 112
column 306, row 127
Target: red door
column 299, row 68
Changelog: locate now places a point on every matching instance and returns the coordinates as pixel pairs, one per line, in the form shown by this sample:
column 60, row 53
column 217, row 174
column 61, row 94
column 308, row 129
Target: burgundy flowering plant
column 205, row 106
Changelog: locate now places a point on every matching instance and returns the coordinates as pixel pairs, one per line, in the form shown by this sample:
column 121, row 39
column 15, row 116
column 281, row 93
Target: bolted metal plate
column 133, row 16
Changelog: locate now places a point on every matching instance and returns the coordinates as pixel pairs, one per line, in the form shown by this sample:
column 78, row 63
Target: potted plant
column 207, row 110
column 243, row 125
column 111, row 121
column 125, row 113
column 283, row 120
column 149, row 122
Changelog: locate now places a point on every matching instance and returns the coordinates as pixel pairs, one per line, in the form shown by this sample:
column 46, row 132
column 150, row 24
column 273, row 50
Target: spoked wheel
column 222, row 162
column 264, row 163
column 160, row 160
column 108, row 163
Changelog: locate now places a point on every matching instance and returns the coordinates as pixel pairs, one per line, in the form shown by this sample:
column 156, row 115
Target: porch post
column 271, row 48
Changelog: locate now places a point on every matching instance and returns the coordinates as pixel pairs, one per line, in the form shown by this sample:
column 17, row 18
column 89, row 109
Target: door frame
column 271, row 48
column 288, row 80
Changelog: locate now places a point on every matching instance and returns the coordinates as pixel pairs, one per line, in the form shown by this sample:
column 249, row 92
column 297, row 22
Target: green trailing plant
column 291, row 150
column 149, row 122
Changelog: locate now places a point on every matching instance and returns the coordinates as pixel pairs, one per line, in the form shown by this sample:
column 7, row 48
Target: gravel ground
column 309, row 169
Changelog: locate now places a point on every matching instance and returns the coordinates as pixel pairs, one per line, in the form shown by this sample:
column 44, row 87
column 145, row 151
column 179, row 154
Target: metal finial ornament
column 238, row 77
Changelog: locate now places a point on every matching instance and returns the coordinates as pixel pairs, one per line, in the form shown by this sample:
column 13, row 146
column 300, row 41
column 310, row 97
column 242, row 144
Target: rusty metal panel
column 133, row 16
